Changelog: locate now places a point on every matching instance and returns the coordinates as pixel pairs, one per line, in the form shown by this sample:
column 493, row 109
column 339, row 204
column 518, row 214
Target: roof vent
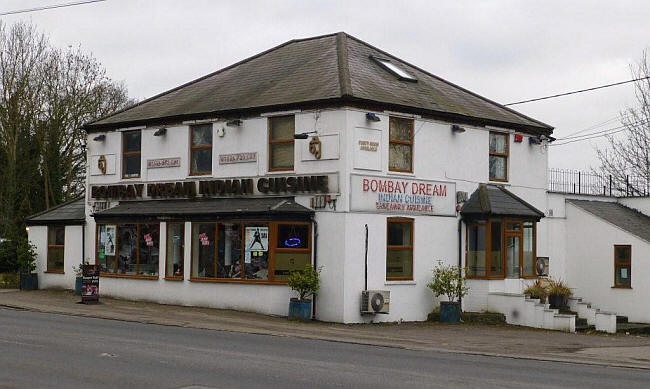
column 394, row 69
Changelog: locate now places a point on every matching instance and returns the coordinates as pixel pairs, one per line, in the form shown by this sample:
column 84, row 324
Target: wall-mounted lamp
column 160, row 132
column 455, row 128
column 534, row 140
column 234, row 123
column 372, row 117
column 99, row 138
column 303, row 135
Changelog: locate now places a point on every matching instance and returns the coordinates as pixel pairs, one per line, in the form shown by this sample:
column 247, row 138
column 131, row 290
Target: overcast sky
column 504, row 50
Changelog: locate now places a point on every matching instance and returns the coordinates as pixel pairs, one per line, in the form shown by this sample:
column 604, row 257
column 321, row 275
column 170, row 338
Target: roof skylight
column 391, row 67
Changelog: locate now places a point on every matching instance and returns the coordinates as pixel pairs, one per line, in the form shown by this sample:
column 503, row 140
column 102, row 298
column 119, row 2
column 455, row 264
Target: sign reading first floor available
column 402, row 196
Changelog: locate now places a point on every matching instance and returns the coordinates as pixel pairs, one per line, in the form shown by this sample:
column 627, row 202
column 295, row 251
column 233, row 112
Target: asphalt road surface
column 40, row 350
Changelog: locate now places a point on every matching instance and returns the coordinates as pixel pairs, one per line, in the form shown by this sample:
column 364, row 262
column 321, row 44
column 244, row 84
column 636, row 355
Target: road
column 48, row 350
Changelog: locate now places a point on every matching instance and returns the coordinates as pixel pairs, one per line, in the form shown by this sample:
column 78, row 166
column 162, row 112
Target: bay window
column 497, row 248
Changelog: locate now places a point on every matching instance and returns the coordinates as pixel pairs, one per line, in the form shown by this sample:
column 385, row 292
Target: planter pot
column 78, row 283
column 449, row 312
column 299, row 309
column 28, row 281
column 557, row 301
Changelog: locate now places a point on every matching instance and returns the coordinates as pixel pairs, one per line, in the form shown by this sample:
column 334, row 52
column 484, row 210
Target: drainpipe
column 313, row 298
column 460, row 256
column 366, row 263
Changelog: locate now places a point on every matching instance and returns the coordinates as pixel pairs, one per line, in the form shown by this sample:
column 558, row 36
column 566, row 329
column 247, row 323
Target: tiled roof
column 329, row 69
column 495, row 200
column 72, row 212
column 225, row 207
column 627, row 219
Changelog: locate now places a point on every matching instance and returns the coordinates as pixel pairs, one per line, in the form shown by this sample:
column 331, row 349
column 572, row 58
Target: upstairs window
column 400, row 154
column 498, row 156
column 55, row 248
column 281, row 143
column 622, row 266
column 131, row 146
column 201, row 150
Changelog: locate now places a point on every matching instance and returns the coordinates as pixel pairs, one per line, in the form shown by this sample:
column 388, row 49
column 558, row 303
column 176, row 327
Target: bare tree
column 46, row 95
column 627, row 158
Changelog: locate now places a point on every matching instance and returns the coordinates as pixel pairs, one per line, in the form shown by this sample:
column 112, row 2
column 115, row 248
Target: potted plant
column 449, row 281
column 537, row 291
column 26, row 259
column 78, row 281
column 306, row 283
column 558, row 294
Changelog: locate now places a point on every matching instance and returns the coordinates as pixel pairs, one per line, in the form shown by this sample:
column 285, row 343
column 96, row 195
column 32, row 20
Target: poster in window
column 257, row 239
column 107, row 240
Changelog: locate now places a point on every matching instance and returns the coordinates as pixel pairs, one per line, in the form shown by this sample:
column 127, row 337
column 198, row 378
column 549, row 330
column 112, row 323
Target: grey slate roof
column 331, row 69
column 495, row 200
column 627, row 219
column 225, row 207
column 72, row 212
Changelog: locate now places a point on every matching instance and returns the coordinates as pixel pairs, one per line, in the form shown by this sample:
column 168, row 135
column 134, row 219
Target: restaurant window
column 281, row 143
column 201, row 149
column 399, row 249
column 622, row 266
column 175, row 250
column 400, row 149
column 128, row 249
column 246, row 251
column 498, row 249
column 499, row 156
column 131, row 147
column 55, row 248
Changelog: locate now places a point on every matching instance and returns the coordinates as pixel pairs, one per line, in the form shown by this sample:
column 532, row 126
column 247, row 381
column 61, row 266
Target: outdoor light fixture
column 457, row 129
column 303, row 135
column 534, row 140
column 372, row 117
column 160, row 132
column 234, row 123
column 99, row 138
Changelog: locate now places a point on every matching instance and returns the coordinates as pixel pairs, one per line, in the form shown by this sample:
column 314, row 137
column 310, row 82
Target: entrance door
column 513, row 255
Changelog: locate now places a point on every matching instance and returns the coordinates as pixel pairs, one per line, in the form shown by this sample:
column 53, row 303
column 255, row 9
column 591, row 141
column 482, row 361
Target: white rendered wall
column 641, row 204
column 37, row 235
column 590, row 265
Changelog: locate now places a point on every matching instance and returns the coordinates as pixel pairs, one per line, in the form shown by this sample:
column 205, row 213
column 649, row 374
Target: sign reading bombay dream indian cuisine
column 402, row 196
column 217, row 187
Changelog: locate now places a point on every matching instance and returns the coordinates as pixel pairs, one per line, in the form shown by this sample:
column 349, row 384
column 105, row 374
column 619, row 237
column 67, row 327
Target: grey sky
column 504, row 50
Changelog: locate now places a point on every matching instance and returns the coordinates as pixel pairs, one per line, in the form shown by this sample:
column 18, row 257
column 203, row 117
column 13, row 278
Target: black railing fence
column 589, row 183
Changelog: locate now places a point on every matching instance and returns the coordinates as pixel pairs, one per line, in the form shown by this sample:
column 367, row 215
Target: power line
column 578, row 91
column 589, row 128
column 601, row 133
column 63, row 5
column 591, row 137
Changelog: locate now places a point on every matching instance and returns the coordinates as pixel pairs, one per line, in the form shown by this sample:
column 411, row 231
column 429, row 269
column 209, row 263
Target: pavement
column 616, row 350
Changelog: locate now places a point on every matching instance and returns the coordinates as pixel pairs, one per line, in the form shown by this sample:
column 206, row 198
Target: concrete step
column 633, row 328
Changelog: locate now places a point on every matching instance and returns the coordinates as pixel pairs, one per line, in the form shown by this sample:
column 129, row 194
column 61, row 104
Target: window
column 201, row 150
column 622, row 266
column 129, row 249
column 499, row 249
column 399, row 249
column 249, row 251
column 131, row 146
column 400, row 150
column 175, row 250
column 498, row 156
column 281, row 144
column 55, row 248
column 391, row 67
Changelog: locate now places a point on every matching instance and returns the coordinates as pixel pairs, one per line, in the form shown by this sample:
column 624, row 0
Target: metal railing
column 595, row 184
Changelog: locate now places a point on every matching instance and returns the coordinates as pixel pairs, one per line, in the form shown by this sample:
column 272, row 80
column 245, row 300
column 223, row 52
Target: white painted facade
column 459, row 160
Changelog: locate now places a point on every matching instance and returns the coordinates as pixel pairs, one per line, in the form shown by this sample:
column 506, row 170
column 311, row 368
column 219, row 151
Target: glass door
column 513, row 255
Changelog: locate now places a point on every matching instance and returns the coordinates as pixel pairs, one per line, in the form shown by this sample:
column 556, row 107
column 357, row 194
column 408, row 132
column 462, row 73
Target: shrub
column 559, row 288
column 537, row 290
column 306, row 282
column 8, row 257
column 449, row 281
column 26, row 256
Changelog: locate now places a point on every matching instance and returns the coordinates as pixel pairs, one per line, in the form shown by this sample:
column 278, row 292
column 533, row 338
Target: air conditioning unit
column 375, row 301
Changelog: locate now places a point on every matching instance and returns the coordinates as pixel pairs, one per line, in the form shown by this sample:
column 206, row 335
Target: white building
column 323, row 150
